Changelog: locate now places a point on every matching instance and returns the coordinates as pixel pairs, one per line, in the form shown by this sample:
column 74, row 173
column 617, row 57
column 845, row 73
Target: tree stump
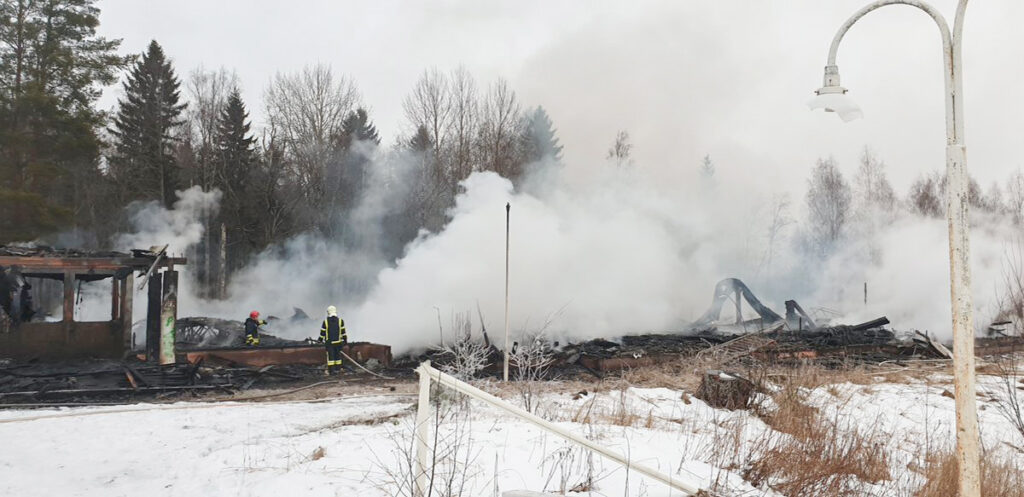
column 725, row 390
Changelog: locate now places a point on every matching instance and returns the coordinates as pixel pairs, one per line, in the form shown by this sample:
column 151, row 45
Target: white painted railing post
column 428, row 373
column 422, row 434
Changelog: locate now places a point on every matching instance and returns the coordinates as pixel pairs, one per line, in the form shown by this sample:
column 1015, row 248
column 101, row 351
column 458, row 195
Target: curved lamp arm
column 941, row 21
column 950, row 58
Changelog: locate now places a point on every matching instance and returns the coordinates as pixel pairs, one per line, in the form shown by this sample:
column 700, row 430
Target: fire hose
column 364, row 369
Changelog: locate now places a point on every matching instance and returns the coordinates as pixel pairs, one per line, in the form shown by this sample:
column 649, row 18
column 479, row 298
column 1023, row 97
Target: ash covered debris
column 205, row 333
column 101, row 380
column 768, row 337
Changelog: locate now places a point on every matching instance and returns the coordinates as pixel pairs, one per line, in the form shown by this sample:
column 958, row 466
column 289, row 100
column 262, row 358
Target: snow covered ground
column 355, row 445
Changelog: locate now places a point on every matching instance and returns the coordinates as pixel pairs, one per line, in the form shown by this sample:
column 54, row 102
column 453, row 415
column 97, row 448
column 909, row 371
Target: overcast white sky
column 728, row 78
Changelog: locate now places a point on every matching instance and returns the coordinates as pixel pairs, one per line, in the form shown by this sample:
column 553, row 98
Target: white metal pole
column 422, row 434
column 967, row 446
column 508, row 209
column 426, row 371
column 957, row 206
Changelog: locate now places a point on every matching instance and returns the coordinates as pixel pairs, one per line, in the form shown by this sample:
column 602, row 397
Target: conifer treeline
column 68, row 170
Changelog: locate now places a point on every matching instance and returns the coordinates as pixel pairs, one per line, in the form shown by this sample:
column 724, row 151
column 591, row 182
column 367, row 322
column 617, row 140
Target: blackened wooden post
column 127, row 296
column 153, row 307
column 69, row 302
column 115, row 298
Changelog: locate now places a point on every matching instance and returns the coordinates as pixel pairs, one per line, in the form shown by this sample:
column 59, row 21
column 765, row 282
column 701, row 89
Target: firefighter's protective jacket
column 252, row 326
column 333, row 330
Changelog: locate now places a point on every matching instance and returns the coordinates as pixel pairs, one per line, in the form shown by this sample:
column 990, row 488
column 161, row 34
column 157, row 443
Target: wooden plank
column 115, row 299
column 155, row 302
column 131, row 378
column 84, row 264
column 69, row 299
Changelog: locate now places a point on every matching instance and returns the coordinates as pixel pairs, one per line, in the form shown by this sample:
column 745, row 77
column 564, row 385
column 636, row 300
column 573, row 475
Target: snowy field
column 357, row 445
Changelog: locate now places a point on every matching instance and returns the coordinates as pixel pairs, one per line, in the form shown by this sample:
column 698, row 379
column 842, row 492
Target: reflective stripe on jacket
column 333, row 330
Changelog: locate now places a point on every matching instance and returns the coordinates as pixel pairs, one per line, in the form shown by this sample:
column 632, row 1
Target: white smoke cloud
column 180, row 227
column 906, row 267
column 153, row 225
column 620, row 251
column 613, row 253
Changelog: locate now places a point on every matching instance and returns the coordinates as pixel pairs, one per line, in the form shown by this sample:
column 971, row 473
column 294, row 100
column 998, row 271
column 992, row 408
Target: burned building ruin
column 26, row 333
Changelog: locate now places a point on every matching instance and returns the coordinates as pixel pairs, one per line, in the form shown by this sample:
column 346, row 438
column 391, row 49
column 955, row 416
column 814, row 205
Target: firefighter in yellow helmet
column 332, row 334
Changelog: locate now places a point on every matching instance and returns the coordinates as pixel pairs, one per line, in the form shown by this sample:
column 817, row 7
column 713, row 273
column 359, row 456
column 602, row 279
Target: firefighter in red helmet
column 252, row 328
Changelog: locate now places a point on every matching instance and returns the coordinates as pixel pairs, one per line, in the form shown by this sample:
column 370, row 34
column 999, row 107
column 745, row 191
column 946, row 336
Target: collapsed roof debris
column 222, row 341
column 107, row 381
column 768, row 338
column 737, row 291
column 204, row 332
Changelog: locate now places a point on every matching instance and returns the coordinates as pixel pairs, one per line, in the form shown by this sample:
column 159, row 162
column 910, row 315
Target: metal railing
column 428, row 374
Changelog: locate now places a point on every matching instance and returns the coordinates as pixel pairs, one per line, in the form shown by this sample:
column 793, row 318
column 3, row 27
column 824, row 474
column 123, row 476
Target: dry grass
column 820, row 459
column 815, row 456
column 677, row 375
column 999, row 477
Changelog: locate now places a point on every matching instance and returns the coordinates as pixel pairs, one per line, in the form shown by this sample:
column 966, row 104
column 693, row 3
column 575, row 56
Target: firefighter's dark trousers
column 334, row 356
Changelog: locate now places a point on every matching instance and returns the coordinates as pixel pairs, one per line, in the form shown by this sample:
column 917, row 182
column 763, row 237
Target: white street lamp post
column 833, row 98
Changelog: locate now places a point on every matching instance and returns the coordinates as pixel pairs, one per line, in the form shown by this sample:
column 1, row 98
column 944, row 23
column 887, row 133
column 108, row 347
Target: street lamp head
column 832, row 98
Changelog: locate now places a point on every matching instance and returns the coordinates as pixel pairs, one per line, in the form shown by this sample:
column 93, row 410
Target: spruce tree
column 421, row 141
column 235, row 146
column 52, row 65
column 358, row 127
column 144, row 127
column 236, row 154
column 348, row 170
column 538, row 142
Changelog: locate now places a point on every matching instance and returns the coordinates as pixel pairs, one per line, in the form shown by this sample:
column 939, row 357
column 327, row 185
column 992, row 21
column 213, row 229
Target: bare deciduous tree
column 465, row 357
column 778, row 212
column 463, row 123
column 208, row 92
column 707, row 168
column 429, row 105
column 1015, row 197
column 306, row 111
column 500, row 128
column 621, row 152
column 874, row 193
column 925, row 196
column 1010, row 298
column 828, row 204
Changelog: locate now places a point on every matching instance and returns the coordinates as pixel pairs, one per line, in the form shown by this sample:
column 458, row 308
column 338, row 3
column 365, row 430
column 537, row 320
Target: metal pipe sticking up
column 508, row 209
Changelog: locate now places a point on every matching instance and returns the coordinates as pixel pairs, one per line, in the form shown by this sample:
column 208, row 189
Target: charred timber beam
column 33, row 264
column 159, row 256
column 93, row 391
column 874, row 323
column 127, row 296
column 69, row 301
column 153, row 316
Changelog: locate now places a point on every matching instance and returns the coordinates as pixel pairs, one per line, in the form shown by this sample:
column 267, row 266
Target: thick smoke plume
column 616, row 252
column 181, row 227
column 153, row 225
